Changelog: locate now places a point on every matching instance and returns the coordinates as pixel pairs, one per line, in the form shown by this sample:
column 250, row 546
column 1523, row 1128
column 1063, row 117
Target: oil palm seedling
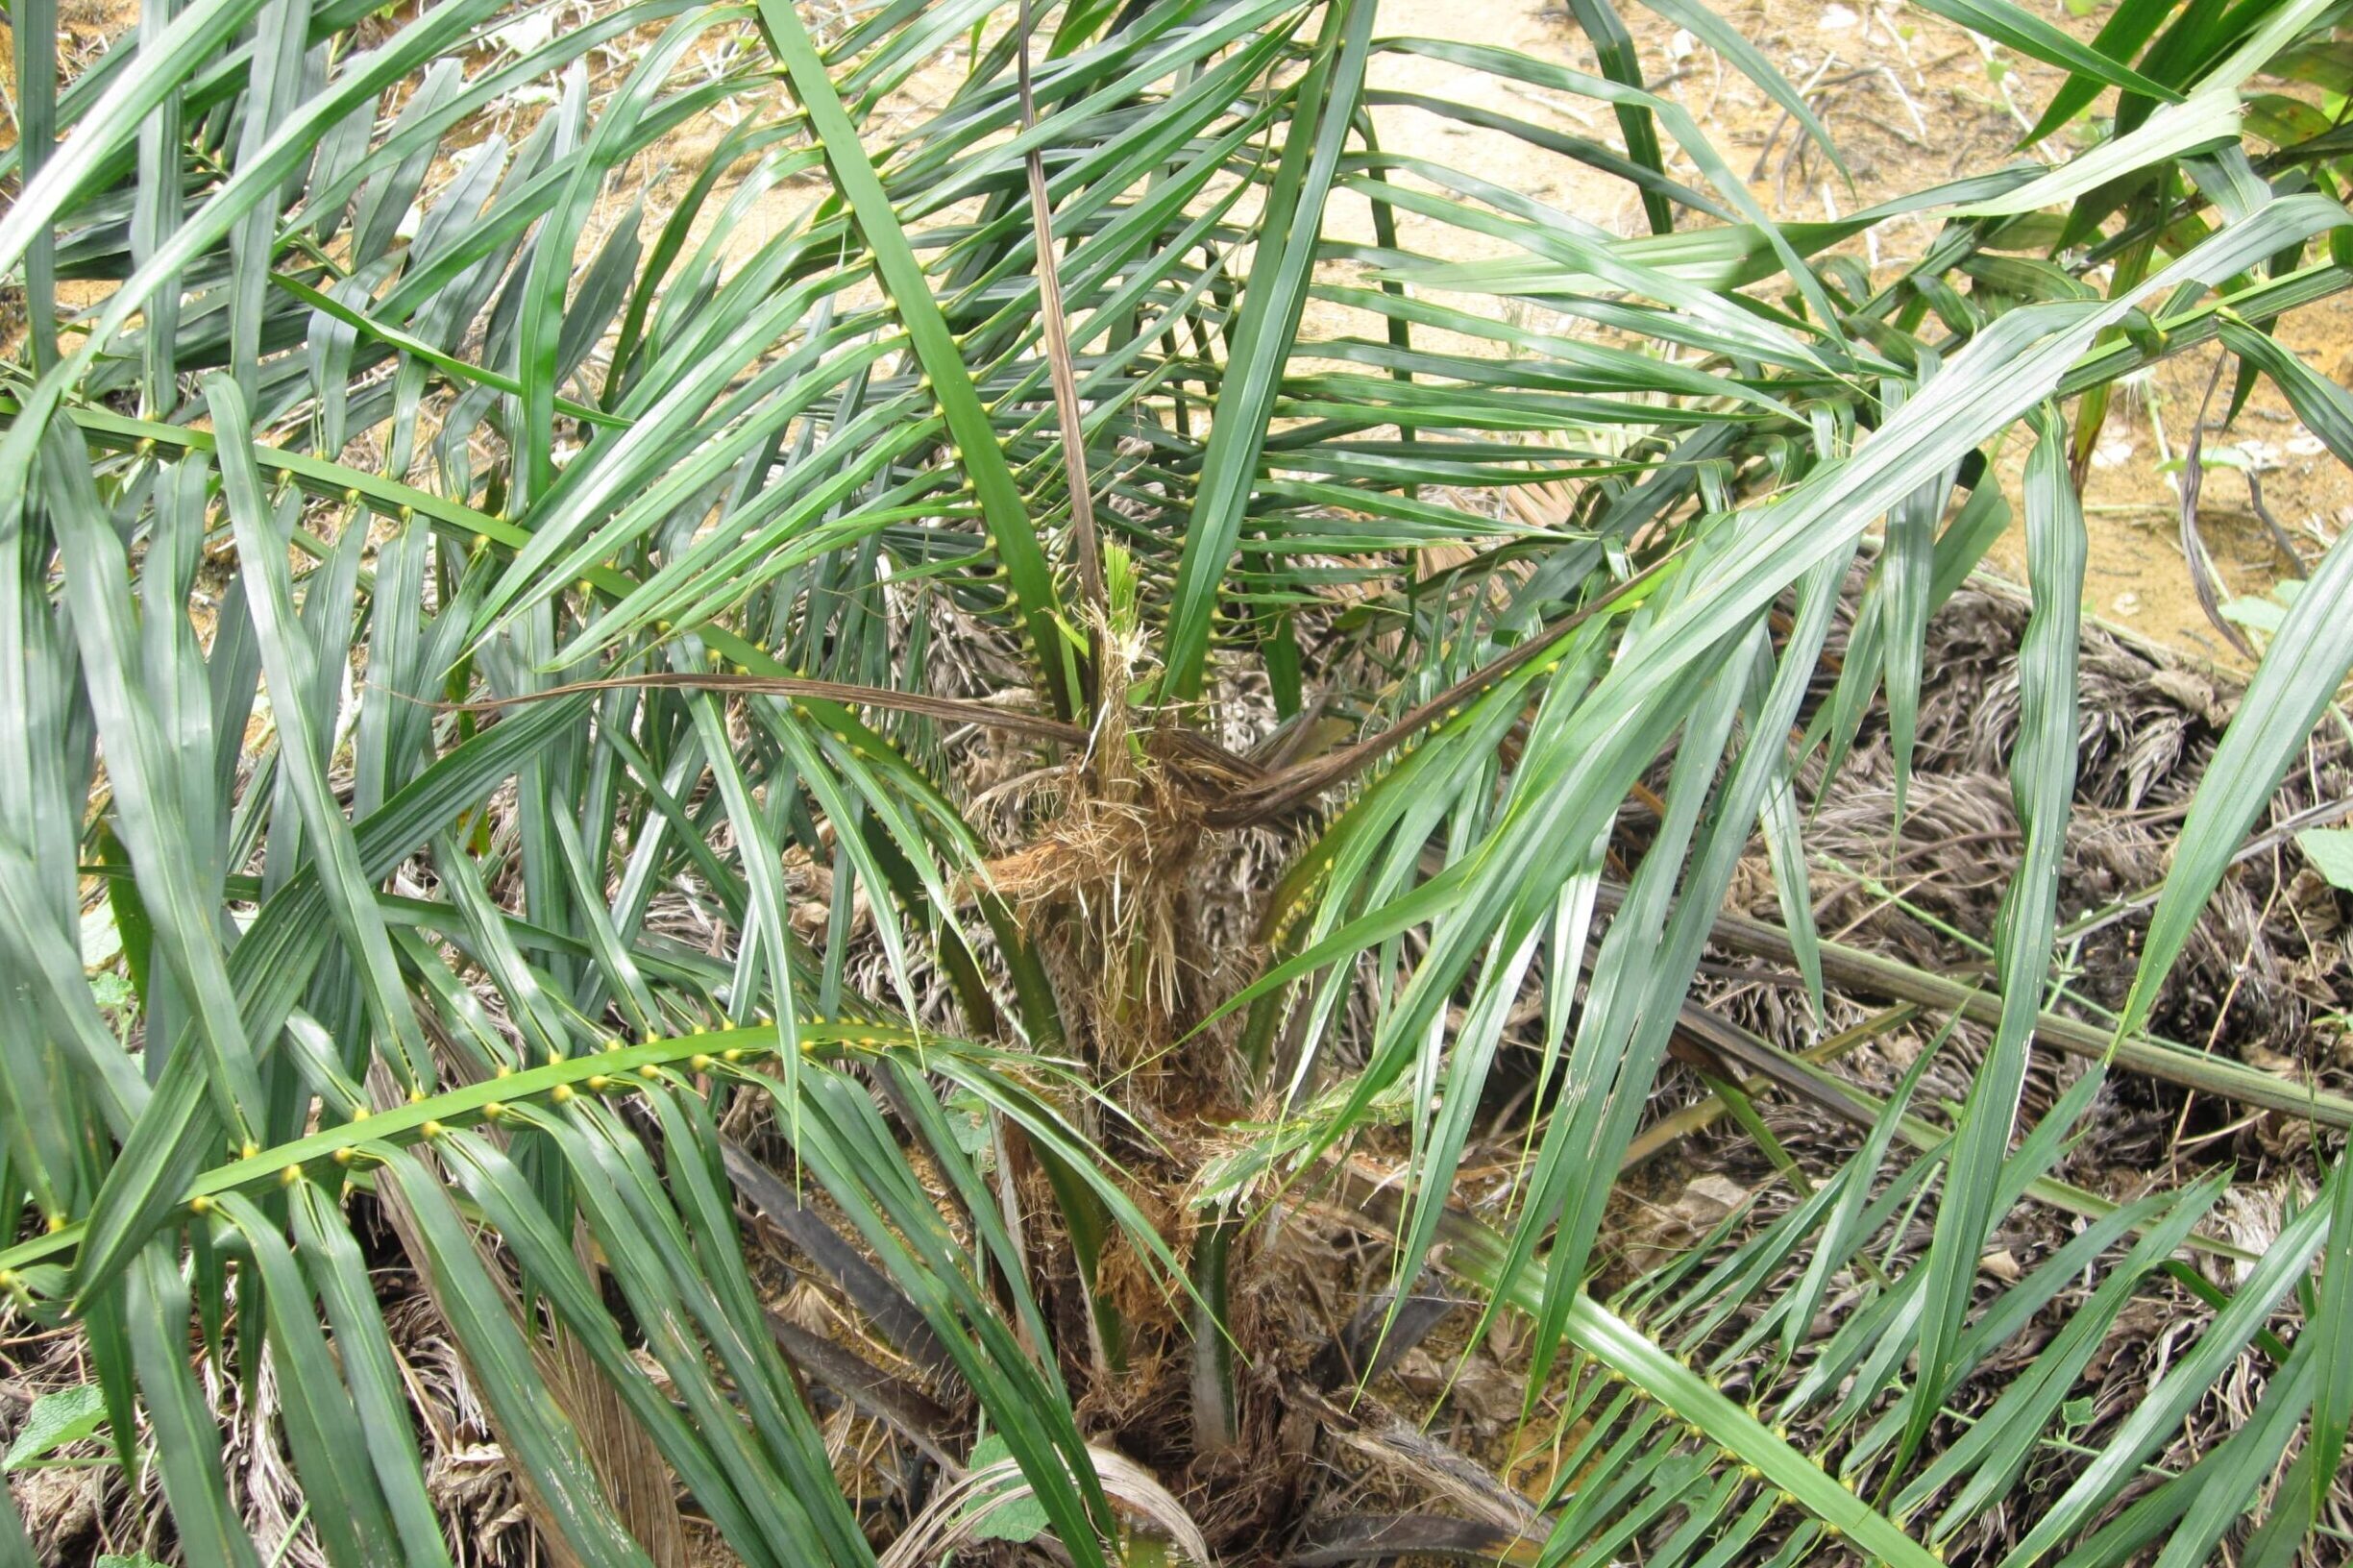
column 972, row 658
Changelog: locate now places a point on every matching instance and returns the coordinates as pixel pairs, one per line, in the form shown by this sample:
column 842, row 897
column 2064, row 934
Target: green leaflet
column 528, row 1418
column 2298, row 677
column 2282, row 1264
column 323, row 1429
column 2042, row 785
column 975, row 446
column 155, row 1303
column 1273, row 298
column 2030, row 35
column 291, row 666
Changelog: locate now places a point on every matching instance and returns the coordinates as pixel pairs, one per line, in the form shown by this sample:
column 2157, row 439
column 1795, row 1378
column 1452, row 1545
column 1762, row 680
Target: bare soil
column 1911, row 100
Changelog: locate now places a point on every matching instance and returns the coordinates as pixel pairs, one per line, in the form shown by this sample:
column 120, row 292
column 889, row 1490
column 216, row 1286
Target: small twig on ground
column 1756, row 171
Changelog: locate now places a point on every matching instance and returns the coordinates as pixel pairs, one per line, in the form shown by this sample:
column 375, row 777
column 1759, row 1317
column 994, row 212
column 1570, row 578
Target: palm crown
column 587, row 720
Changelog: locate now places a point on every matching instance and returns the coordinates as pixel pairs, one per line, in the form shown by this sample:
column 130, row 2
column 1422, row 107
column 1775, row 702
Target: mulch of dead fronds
column 2263, row 980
